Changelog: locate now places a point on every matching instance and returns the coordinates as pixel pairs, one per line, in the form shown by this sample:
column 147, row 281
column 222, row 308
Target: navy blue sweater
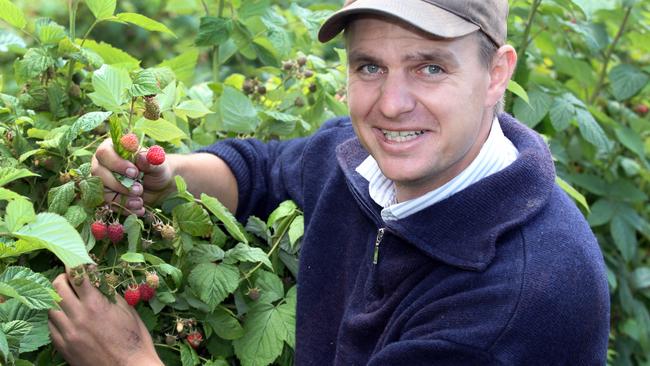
column 505, row 272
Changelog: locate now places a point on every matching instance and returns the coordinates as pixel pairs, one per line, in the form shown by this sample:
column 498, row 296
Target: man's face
column 418, row 104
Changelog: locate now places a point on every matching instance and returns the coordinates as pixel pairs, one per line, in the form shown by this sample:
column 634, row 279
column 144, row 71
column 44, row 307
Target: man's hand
column 156, row 182
column 89, row 330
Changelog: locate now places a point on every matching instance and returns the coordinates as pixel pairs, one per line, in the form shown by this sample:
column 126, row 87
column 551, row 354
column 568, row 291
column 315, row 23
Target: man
column 434, row 232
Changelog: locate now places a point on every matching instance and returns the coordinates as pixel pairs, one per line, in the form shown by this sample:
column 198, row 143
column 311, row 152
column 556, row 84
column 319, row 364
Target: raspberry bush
column 160, row 77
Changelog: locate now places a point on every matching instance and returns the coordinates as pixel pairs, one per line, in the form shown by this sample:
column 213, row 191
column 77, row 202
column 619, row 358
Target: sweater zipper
column 380, row 236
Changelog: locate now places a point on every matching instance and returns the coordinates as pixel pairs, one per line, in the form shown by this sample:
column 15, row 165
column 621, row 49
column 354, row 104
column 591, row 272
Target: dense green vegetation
column 73, row 73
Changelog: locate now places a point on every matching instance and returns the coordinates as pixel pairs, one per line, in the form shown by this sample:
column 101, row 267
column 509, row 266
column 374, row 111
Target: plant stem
column 72, row 13
column 609, row 54
column 521, row 50
column 283, row 231
column 216, row 66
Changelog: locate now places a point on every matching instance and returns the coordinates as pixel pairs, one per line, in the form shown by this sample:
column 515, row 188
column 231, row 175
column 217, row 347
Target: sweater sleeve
column 437, row 352
column 266, row 173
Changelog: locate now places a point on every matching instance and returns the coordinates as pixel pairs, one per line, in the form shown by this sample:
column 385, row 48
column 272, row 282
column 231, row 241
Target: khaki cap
column 442, row 18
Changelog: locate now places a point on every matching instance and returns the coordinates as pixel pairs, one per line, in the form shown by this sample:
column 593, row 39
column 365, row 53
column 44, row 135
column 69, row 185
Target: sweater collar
column 462, row 230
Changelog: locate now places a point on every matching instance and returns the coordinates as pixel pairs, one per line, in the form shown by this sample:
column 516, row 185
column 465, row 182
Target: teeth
column 401, row 136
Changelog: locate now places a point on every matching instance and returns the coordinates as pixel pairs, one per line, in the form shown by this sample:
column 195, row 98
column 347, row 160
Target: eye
column 370, row 69
column 431, row 69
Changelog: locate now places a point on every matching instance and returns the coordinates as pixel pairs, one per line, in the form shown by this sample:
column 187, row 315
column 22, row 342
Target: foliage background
column 584, row 66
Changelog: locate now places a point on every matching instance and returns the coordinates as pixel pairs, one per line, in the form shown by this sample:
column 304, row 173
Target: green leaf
column 591, row 130
column 624, row 237
column 531, row 114
column 270, row 285
column 4, row 345
column 183, row 65
column 213, row 31
column 641, row 278
column 85, row 123
column 572, row 192
column 601, row 213
column 285, row 209
column 34, row 63
column 224, row 323
column 49, row 32
column 265, row 329
column 237, row 111
column 191, row 108
column 225, row 216
column 112, row 55
column 133, row 228
column 6, row 194
column 12, row 14
column 517, row 90
column 111, row 85
column 15, row 330
column 132, row 257
column 101, row 9
column 244, row 253
column 297, row 228
column 19, row 213
column 630, row 139
column 213, row 283
column 75, row 215
column 53, row 232
column 170, row 270
column 562, row 113
column 144, row 83
column 7, row 40
column 627, row 81
column 29, row 287
column 193, row 219
column 189, row 356
column 160, row 130
column 92, row 192
column 38, row 335
column 144, row 22
column 202, row 253
column 59, row 198
column 9, row 174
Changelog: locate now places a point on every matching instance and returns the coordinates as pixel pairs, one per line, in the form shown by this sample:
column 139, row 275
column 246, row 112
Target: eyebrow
column 435, row 55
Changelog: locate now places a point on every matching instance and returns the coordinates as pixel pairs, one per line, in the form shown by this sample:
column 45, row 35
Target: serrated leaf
column 270, row 285
column 531, row 114
column 133, row 228
column 191, row 108
column 132, row 257
column 53, row 232
column 213, row 31
column 49, row 32
column 601, row 213
column 59, row 198
column 237, row 111
column 193, row 219
column 265, row 329
column 15, row 330
column 18, row 213
column 202, row 253
column 34, row 63
column 627, row 81
column 591, row 130
column 144, row 22
column 170, row 270
column 85, row 123
column 111, row 55
column 244, row 253
column 285, row 209
column 183, row 65
column 224, row 324
column 12, row 14
column 225, row 216
column 189, row 356
column 562, row 113
column 144, row 83
column 630, row 139
column 213, row 283
column 9, row 174
column 256, row 226
column 159, row 130
column 111, row 85
column 4, row 345
column 32, row 294
column 92, row 192
column 624, row 237
column 75, row 215
column 101, row 9
column 38, row 336
column 6, row 194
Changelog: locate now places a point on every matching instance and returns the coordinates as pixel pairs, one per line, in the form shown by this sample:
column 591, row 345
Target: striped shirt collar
column 497, row 153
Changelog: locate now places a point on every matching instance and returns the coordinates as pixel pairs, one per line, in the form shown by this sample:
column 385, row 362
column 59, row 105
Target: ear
column 503, row 65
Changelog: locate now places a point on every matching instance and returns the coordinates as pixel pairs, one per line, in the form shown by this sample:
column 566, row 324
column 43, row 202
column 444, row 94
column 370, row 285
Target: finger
column 144, row 166
column 59, row 320
column 106, row 161
column 132, row 203
column 69, row 300
column 81, row 286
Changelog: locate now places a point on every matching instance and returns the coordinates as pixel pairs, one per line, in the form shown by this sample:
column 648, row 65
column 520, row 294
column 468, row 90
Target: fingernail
column 136, row 189
column 131, row 172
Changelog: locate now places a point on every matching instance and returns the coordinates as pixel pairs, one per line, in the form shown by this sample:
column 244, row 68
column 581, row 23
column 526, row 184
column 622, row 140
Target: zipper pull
column 380, row 235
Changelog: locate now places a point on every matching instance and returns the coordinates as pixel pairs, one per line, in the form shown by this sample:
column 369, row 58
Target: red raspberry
column 156, row 155
column 130, row 142
column 152, row 280
column 132, row 295
column 194, row 339
column 99, row 229
column 115, row 232
column 146, row 293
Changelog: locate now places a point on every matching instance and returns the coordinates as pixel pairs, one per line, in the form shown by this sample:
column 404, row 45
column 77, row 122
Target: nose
column 396, row 98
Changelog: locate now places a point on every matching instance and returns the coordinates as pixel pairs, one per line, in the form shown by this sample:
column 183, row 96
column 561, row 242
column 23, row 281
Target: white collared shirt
column 497, row 153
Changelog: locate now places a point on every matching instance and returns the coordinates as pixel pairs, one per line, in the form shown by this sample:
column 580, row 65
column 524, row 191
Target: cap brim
column 420, row 14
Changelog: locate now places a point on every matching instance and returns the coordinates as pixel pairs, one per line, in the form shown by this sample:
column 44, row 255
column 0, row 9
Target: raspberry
column 156, row 155
column 151, row 108
column 168, row 232
column 112, row 279
column 146, row 293
column 130, row 142
column 132, row 295
column 254, row 293
column 194, row 339
column 115, row 232
column 99, row 230
column 152, row 280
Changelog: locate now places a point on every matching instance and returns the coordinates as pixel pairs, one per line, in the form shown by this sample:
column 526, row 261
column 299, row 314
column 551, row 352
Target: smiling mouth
column 401, row 136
